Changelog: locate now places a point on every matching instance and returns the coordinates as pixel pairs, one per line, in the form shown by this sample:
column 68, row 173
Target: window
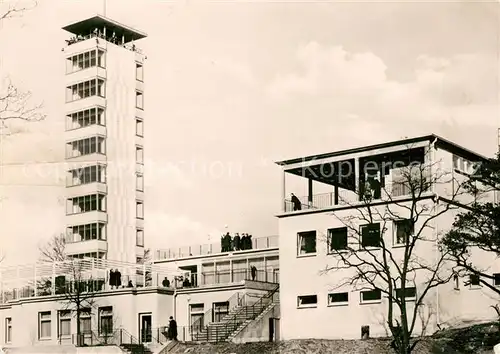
column 474, row 280
column 139, row 154
column 86, row 232
column 83, row 204
column 105, row 320
column 44, row 325
column 307, row 301
column 370, row 235
column 307, row 242
column 496, row 279
column 463, row 165
column 337, row 239
column 8, row 330
column 139, row 71
column 139, row 99
column 85, row 118
column 139, row 237
column 409, row 293
column 100, row 255
column 81, row 90
column 139, row 185
column 197, row 315
column 64, row 329
column 371, row 296
column 456, row 282
column 221, row 309
column 85, row 60
column 338, row 299
column 139, row 209
column 403, row 229
column 86, row 175
column 85, row 321
column 139, row 127
column 87, row 146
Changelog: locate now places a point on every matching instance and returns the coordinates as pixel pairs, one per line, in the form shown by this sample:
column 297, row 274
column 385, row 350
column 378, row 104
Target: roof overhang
column 440, row 142
column 86, row 27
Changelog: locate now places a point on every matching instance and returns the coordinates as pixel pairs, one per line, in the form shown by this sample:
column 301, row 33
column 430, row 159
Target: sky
column 232, row 86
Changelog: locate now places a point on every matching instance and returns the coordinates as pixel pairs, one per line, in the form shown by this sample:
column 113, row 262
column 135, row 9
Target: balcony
column 260, row 243
column 345, row 182
column 85, row 246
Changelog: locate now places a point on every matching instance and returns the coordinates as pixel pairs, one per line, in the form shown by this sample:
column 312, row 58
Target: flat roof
column 86, row 27
column 440, row 142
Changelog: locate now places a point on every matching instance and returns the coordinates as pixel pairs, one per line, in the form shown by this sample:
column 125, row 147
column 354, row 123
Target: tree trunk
column 78, row 340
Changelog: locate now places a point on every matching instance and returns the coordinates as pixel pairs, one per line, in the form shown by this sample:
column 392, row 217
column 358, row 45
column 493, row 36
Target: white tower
column 104, row 141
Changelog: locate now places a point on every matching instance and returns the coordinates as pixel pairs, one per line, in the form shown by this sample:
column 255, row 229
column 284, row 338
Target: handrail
column 236, row 320
column 234, row 301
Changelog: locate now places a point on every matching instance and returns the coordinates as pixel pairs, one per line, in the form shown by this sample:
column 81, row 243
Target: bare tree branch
column 14, row 103
column 15, row 8
column 53, row 250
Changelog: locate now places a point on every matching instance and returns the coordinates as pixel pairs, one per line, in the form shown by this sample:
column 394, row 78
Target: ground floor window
column 64, row 323
column 105, row 320
column 197, row 316
column 8, row 330
column 44, row 325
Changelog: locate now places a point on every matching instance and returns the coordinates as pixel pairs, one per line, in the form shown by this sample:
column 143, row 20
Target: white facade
column 104, row 141
column 310, row 297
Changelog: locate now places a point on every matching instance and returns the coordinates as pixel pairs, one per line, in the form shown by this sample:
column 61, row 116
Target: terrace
column 259, row 243
column 59, row 278
column 348, row 178
column 106, row 29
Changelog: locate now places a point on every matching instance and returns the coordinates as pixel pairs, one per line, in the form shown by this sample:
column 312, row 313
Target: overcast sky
column 233, row 86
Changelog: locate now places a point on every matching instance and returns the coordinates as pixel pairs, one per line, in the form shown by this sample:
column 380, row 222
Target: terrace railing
column 327, row 200
column 212, row 248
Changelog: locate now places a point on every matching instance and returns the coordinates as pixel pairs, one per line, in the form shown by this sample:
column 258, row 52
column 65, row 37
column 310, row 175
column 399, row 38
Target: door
column 220, row 309
column 271, row 329
column 145, row 328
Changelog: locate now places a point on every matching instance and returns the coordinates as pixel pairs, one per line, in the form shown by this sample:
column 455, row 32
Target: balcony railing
column 258, row 243
column 345, row 197
column 80, row 38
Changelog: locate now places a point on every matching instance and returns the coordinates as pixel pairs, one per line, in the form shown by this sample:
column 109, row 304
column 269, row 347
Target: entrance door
column 145, row 328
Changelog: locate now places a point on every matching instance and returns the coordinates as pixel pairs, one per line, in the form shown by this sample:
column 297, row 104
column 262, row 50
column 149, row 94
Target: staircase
column 237, row 319
column 136, row 348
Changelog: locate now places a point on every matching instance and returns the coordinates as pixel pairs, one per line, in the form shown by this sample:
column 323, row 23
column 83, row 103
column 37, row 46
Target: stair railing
column 200, row 325
column 250, row 312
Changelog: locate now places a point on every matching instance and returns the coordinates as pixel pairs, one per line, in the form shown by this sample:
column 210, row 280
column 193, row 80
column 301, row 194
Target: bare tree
column 78, row 289
column 53, row 250
column 16, row 104
column 368, row 259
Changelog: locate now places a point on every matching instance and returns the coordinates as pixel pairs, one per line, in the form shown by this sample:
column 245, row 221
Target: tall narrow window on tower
column 139, row 209
column 139, row 154
column 139, row 99
column 139, row 127
column 139, row 72
column 139, row 182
